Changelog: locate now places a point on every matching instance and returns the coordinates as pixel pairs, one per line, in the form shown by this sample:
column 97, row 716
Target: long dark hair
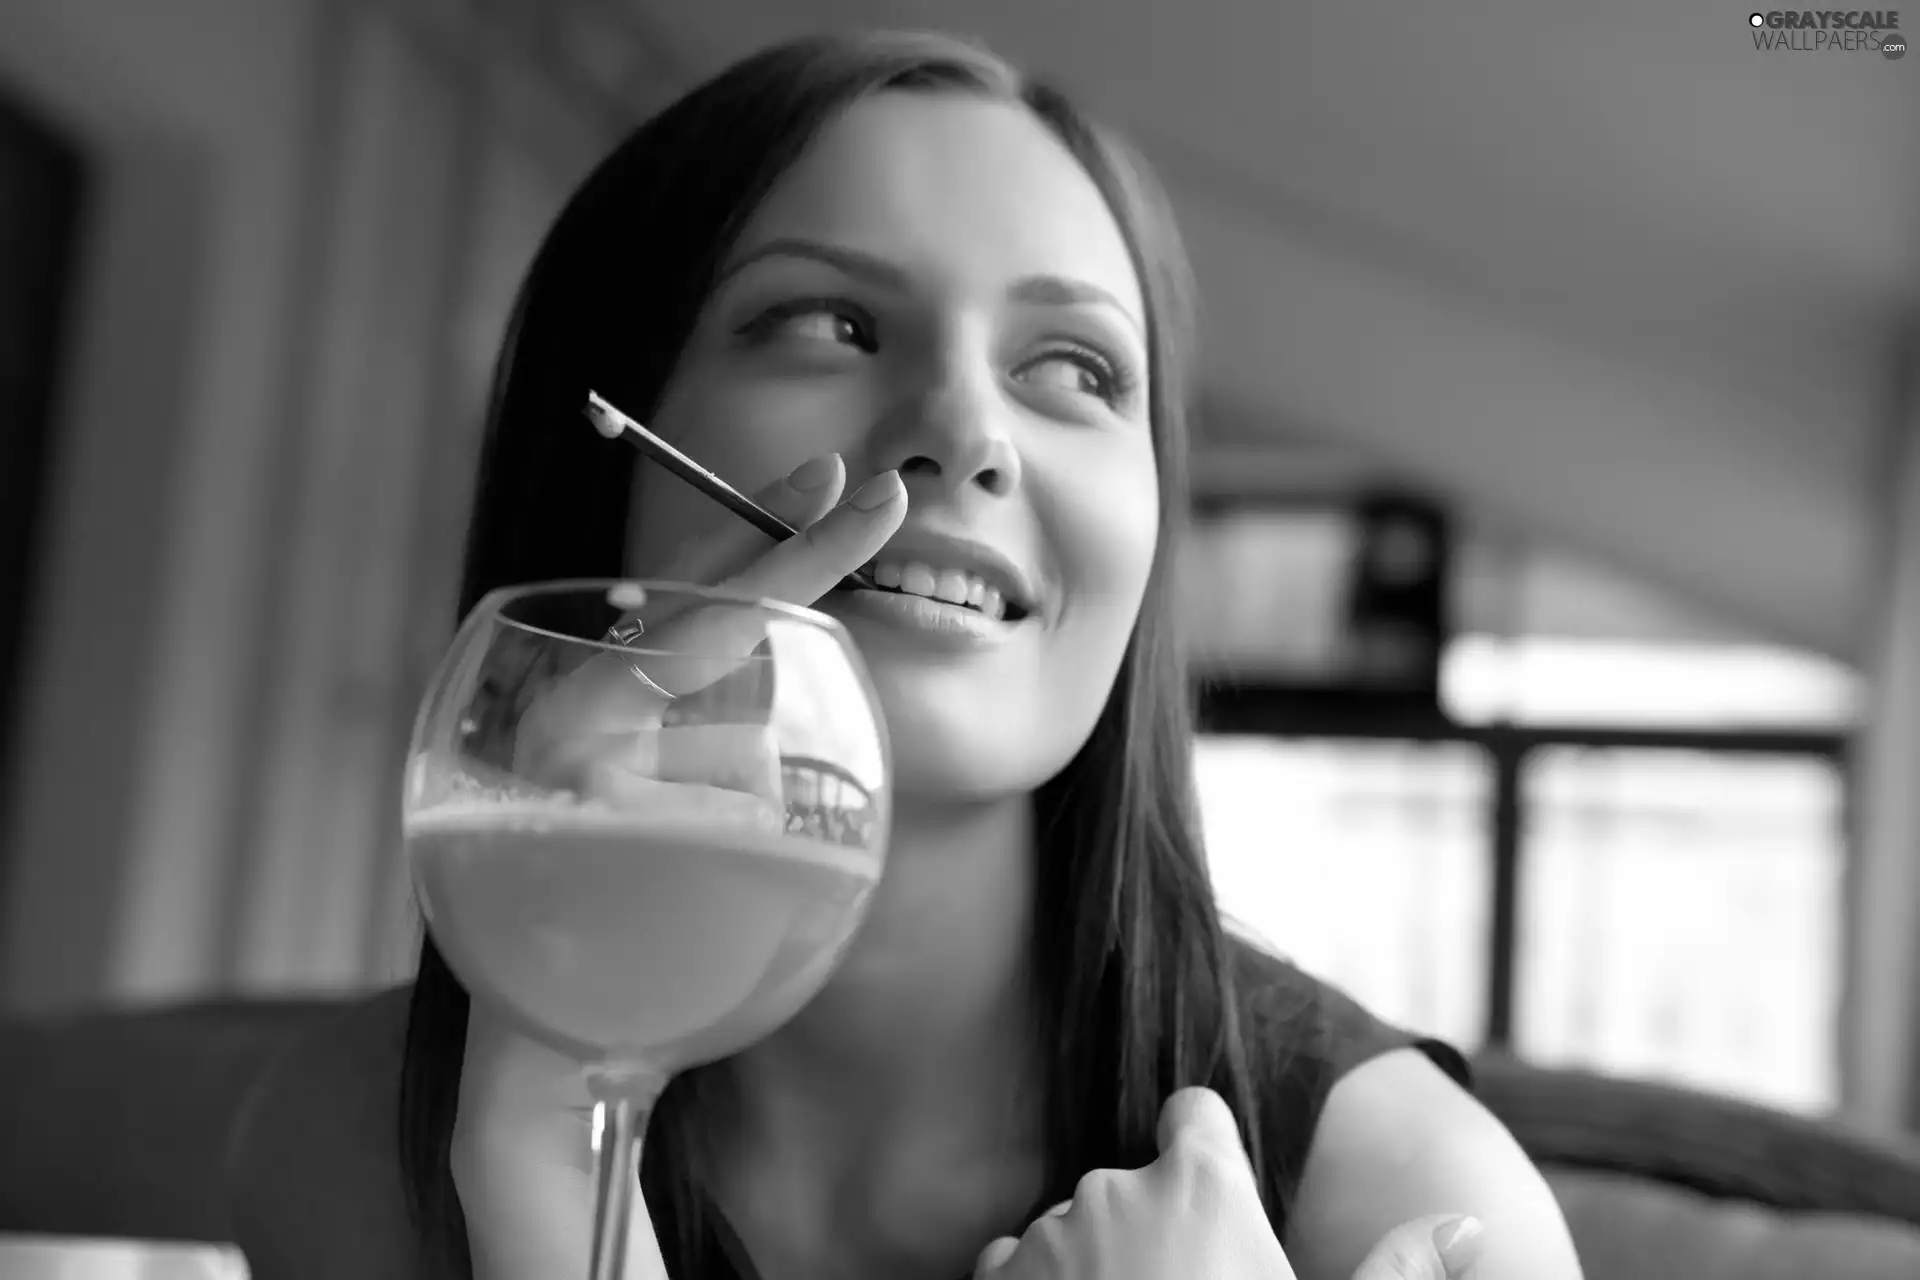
column 1132, row 967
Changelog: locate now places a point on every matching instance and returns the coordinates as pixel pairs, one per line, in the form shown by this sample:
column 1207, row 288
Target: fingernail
column 810, row 475
column 1458, row 1241
column 877, row 492
column 995, row 1256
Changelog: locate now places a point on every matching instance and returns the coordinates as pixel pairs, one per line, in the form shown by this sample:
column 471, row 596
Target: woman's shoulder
column 315, row 1160
column 1362, row 1133
column 1304, row 1033
column 1302, row 1036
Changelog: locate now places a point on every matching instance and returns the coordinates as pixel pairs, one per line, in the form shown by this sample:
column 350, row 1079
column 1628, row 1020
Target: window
column 1362, row 861
column 1653, row 902
column 1730, row 687
column 1679, row 918
column 1613, row 837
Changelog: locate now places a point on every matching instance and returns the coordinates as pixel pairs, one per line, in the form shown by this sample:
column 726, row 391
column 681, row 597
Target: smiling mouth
column 954, row 587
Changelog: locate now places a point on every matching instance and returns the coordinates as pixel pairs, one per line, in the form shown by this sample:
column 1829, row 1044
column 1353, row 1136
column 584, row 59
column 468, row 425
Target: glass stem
column 623, row 1099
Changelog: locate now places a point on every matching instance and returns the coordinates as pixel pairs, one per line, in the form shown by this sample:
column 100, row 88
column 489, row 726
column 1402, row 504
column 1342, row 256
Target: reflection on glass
column 1680, row 919
column 1364, row 862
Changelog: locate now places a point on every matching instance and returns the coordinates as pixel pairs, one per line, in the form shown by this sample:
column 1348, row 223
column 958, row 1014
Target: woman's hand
column 521, row 1155
column 597, row 731
column 1196, row 1212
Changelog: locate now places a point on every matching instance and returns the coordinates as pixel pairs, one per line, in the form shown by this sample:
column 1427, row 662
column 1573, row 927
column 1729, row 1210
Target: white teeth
column 950, row 585
column 918, row 579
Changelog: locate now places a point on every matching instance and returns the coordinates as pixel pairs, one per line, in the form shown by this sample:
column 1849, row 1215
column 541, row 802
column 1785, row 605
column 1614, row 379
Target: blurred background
column 1557, row 578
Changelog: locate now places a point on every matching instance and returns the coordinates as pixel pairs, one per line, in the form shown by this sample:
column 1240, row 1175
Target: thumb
column 1438, row 1247
column 1199, row 1117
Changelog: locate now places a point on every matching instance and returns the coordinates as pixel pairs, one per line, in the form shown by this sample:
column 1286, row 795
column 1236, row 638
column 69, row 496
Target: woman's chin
column 981, row 724
column 961, row 753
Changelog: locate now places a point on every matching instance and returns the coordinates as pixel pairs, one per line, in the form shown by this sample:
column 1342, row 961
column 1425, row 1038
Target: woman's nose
column 954, row 435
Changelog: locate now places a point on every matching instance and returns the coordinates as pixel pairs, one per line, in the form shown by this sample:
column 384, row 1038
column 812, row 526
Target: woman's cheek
column 1110, row 520
column 759, row 430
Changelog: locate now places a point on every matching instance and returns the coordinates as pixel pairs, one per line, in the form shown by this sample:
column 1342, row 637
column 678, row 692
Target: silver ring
column 624, row 634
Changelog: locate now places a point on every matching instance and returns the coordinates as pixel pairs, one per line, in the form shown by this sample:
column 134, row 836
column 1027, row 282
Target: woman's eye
column 813, row 320
column 1078, row 372
column 824, row 326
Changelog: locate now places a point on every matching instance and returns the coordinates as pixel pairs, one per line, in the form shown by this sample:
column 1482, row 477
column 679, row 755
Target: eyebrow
column 861, row 266
column 1045, row 291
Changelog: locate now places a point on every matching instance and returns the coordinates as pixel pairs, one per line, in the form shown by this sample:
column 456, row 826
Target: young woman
column 941, row 320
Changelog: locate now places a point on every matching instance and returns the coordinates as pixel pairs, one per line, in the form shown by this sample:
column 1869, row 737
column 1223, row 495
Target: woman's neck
column 895, row 1123
column 932, row 1004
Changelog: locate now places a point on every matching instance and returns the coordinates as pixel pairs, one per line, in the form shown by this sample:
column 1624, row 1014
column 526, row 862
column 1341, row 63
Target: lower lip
column 933, row 619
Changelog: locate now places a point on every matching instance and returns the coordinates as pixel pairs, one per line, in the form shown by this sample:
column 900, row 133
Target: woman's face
column 938, row 287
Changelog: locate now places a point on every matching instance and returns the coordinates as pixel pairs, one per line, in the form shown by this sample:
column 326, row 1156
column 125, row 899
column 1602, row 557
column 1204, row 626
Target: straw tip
column 603, row 421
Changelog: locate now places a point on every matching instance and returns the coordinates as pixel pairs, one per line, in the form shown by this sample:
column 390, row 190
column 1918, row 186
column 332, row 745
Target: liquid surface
column 671, row 940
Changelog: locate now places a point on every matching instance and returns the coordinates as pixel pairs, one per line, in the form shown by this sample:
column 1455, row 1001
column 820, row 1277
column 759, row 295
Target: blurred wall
column 1881, row 1044
column 194, row 116
column 311, row 217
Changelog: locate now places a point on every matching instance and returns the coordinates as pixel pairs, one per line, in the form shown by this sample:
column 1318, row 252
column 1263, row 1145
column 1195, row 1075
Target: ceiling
column 1605, row 274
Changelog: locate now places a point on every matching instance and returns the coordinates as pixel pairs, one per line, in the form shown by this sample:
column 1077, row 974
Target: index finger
column 799, row 498
column 801, row 570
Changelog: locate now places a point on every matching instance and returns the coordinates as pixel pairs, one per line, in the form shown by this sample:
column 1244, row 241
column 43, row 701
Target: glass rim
column 494, row 602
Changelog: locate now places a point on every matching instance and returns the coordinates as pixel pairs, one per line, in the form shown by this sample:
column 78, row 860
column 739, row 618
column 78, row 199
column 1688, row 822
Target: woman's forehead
column 975, row 193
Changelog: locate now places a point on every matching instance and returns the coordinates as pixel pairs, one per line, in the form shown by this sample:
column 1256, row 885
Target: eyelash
column 762, row 326
column 1117, row 379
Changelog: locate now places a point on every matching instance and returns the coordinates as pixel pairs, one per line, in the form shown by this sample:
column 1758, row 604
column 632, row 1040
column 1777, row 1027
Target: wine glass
column 643, row 821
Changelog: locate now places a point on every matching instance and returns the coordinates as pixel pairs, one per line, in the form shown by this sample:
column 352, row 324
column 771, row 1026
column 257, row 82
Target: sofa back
column 118, row 1124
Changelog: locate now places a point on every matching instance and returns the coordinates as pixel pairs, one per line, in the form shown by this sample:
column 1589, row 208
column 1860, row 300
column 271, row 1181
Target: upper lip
column 945, row 551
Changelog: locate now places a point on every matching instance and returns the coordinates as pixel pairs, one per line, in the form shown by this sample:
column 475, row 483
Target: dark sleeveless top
column 1301, row 1036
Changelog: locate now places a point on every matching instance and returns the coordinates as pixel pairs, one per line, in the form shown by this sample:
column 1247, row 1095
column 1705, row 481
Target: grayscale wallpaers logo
column 1824, row 30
